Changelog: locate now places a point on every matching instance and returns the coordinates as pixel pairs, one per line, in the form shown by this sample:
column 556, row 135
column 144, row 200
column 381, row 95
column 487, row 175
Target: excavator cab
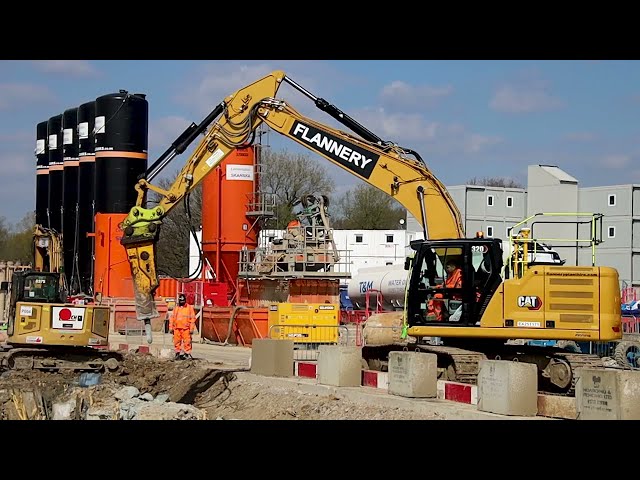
column 452, row 281
column 33, row 287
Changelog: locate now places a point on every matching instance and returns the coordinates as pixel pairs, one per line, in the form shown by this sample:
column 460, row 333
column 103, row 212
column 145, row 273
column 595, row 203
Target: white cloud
column 17, row 94
column 163, row 131
column 616, row 161
column 399, row 95
column 218, row 82
column 475, row 142
column 74, row 68
column 411, row 130
column 512, row 99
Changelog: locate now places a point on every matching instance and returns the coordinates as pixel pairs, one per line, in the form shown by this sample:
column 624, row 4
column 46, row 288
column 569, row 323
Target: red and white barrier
column 453, row 391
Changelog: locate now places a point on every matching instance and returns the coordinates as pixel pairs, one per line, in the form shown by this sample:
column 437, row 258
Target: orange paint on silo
column 112, row 275
column 227, row 193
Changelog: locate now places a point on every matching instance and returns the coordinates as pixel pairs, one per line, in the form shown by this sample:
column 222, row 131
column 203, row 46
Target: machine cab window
column 40, row 288
column 451, row 282
column 440, row 280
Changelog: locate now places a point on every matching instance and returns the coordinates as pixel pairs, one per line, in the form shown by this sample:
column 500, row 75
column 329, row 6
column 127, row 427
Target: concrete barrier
column 607, row 394
column 340, row 366
column 413, row 374
column 272, row 357
column 508, row 388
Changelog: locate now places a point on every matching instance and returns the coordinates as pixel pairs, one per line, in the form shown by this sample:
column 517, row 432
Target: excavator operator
column 182, row 324
column 453, row 280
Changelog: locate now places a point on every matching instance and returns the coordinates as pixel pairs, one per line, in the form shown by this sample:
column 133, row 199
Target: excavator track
column 59, row 359
column 461, row 365
column 456, row 364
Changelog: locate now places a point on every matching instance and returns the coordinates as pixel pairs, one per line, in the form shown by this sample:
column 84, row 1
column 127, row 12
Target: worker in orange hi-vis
column 182, row 324
column 453, row 280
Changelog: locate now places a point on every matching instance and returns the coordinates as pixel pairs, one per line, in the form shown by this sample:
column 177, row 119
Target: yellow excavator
column 45, row 332
column 475, row 318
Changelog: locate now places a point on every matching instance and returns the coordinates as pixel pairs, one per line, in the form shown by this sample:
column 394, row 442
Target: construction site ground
column 216, row 385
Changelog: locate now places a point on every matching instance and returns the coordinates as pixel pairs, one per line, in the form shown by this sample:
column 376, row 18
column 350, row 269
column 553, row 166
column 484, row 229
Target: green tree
column 368, row 208
column 289, row 176
column 4, row 237
column 16, row 241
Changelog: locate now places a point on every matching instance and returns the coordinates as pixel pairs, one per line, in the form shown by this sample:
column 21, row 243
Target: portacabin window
column 490, row 200
column 510, row 202
column 390, row 238
column 489, row 231
column 612, row 200
column 611, row 232
column 358, row 238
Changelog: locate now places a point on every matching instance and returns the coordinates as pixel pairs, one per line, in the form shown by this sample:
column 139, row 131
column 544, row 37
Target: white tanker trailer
column 389, row 280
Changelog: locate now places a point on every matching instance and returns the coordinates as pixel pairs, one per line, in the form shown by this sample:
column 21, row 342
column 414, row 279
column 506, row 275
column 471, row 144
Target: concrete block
column 557, row 406
column 272, row 357
column 607, row 394
column 339, row 366
column 508, row 388
column 413, row 374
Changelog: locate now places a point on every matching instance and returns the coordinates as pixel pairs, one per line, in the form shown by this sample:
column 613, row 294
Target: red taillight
column 616, row 329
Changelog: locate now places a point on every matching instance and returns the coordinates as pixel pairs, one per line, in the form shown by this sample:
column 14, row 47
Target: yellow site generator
column 305, row 323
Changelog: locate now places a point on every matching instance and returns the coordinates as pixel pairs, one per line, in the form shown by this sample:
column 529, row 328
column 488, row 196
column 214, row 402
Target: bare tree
column 505, row 182
column 289, row 176
column 173, row 243
column 368, row 208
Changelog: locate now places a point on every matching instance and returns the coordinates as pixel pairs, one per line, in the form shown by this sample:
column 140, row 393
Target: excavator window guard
column 524, row 244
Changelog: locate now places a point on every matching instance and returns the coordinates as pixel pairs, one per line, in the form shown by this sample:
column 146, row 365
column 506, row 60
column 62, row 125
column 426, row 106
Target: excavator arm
column 383, row 165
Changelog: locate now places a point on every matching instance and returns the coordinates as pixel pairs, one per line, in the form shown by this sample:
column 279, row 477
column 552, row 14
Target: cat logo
column 532, row 303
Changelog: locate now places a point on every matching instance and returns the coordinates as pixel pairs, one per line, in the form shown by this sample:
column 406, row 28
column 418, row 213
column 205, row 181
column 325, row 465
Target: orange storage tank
column 112, row 274
column 227, row 193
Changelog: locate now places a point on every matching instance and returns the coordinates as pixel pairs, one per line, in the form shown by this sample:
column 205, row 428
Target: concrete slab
column 556, row 406
column 272, row 357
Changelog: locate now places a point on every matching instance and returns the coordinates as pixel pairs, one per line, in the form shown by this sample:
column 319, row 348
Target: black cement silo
column 56, row 165
column 42, row 174
column 86, row 186
column 70, row 195
column 121, row 127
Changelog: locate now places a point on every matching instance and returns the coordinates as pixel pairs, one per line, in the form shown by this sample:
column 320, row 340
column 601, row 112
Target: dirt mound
column 150, row 388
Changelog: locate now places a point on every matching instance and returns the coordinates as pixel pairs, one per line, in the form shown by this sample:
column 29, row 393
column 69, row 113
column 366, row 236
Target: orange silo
column 227, row 226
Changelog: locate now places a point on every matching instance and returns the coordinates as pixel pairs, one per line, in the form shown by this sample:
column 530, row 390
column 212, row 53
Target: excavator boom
column 382, row 164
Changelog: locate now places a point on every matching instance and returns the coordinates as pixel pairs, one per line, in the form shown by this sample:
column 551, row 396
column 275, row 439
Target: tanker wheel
column 627, row 354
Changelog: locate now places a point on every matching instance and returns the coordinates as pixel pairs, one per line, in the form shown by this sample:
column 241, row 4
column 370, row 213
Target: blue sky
column 467, row 119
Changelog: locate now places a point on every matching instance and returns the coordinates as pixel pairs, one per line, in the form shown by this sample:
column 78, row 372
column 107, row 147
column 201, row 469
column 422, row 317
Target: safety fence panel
column 630, row 325
column 308, row 338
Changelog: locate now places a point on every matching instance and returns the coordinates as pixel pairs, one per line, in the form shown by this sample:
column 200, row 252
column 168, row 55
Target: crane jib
column 355, row 158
